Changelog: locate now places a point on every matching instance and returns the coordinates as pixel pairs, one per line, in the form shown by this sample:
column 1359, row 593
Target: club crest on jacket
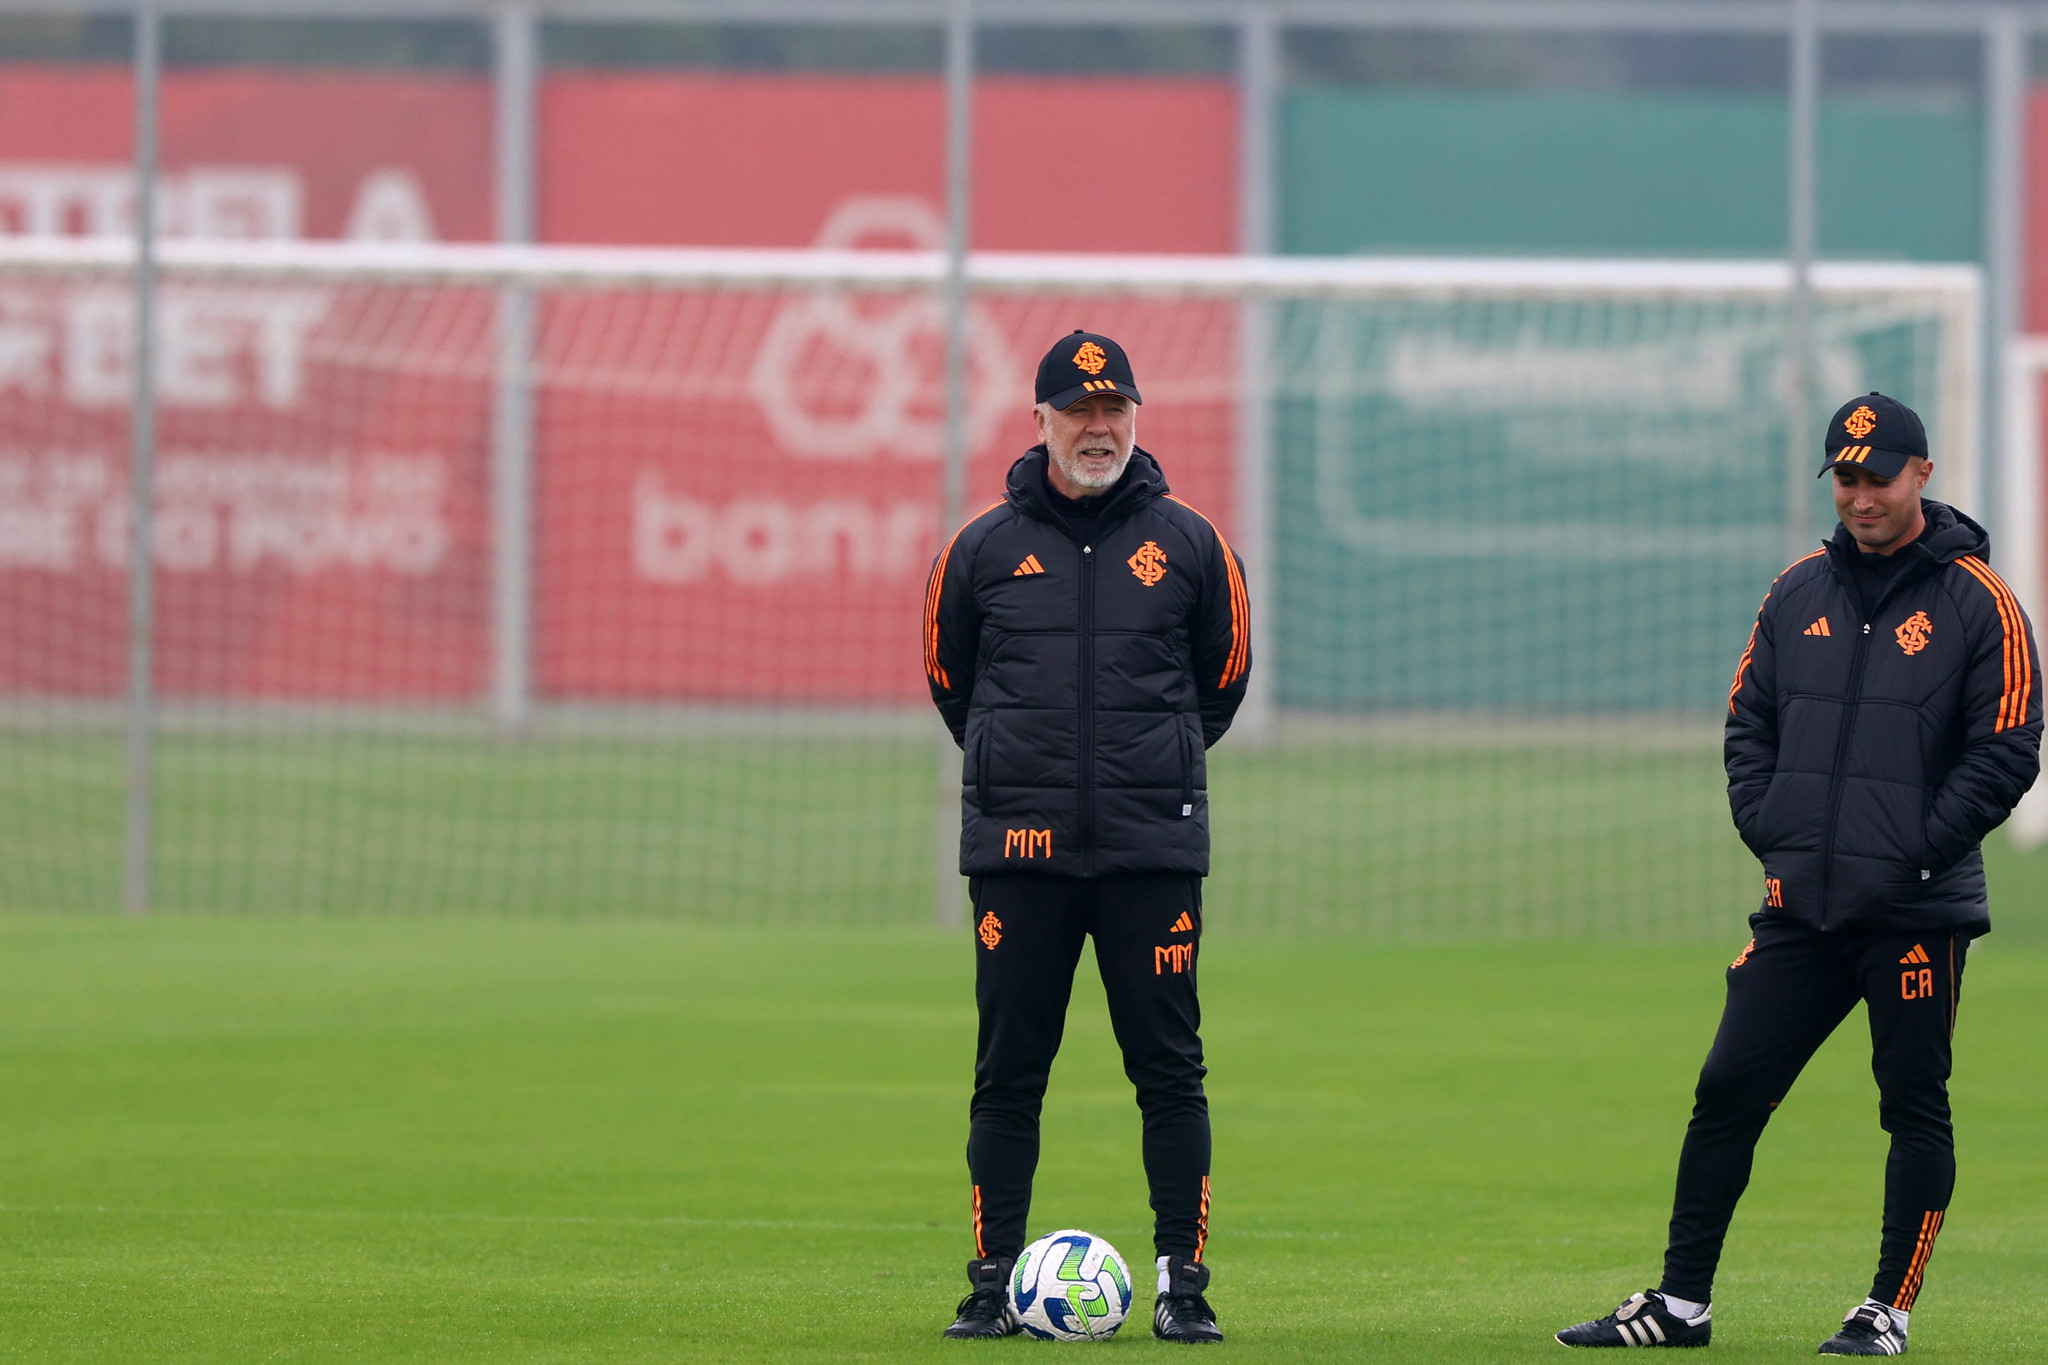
column 1915, row 633
column 1148, row 564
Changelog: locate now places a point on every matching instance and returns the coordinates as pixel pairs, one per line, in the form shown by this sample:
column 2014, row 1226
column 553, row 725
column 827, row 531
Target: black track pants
column 1786, row 993
column 1028, row 933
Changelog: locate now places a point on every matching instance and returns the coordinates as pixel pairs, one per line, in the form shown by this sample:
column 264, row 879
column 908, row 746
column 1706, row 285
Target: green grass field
column 363, row 1138
column 1391, row 840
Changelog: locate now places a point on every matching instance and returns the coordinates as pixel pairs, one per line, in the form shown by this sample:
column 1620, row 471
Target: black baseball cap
column 1875, row 433
column 1084, row 363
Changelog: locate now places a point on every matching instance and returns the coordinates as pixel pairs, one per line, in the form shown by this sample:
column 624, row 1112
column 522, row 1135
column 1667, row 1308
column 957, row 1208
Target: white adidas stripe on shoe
column 1641, row 1332
column 1869, row 1330
column 1644, row 1320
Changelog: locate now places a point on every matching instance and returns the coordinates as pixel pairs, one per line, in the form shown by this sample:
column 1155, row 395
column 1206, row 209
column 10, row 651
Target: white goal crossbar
column 1180, row 276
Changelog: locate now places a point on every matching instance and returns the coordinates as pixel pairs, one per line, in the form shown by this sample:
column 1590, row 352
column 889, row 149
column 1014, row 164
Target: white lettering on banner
column 242, row 513
column 43, row 501
column 390, row 207
column 762, row 541
column 27, row 344
column 240, row 203
column 215, row 347
column 845, row 378
column 237, row 203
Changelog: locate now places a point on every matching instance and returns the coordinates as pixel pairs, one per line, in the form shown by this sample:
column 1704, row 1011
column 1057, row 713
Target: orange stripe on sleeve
column 2017, row 656
column 1978, row 570
column 2023, row 658
column 1240, row 607
column 932, row 669
column 1749, row 650
column 1741, row 666
column 933, row 590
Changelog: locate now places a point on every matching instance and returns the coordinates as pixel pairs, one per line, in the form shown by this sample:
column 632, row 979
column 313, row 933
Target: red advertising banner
column 2035, row 307
column 2034, row 272
column 737, row 495
column 764, row 533
column 319, row 518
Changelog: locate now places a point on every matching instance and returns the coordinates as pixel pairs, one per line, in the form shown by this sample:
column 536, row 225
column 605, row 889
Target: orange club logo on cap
column 1860, row 423
column 1091, row 358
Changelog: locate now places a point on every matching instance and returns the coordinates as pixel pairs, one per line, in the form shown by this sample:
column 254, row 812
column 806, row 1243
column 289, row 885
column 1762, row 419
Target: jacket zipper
column 1847, row 727
column 1087, row 695
column 1850, row 702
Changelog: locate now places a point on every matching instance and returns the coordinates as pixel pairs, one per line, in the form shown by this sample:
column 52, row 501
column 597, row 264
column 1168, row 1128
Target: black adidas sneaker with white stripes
column 986, row 1311
column 1869, row 1330
column 1182, row 1314
column 1644, row 1320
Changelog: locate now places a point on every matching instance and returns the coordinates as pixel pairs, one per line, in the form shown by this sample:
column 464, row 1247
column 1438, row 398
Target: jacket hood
column 1949, row 535
column 1142, row 483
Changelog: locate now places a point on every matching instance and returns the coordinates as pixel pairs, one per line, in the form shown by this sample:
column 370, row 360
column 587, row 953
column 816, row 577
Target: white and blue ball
column 1071, row 1286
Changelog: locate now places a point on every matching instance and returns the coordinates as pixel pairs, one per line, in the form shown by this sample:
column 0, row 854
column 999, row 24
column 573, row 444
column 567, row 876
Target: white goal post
column 2019, row 493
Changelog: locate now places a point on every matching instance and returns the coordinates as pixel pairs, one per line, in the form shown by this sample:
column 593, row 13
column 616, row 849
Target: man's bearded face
column 1091, row 441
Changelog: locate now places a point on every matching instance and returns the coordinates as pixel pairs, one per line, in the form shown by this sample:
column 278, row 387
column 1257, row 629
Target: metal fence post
column 2005, row 98
column 148, row 58
column 948, row 891
column 1258, row 88
column 517, row 62
column 1800, row 451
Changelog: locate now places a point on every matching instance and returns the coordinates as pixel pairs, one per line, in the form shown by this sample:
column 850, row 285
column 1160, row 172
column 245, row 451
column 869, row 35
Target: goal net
column 582, row 581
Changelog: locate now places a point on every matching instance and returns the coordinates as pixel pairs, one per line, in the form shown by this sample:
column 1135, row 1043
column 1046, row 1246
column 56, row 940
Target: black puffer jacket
column 1085, row 675
column 1867, row 761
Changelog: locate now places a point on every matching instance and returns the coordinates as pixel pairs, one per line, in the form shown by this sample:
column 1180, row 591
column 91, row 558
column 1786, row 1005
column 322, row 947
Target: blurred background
column 1496, row 334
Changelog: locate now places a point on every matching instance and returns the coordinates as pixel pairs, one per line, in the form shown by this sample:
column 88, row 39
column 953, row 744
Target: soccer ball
column 1071, row 1286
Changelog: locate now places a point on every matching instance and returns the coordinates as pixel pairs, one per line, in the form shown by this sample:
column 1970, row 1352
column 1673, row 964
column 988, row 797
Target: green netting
column 1546, row 506
column 1515, row 539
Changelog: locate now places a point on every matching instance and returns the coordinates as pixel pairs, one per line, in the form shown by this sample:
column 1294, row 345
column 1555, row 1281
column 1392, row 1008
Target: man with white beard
column 1086, row 640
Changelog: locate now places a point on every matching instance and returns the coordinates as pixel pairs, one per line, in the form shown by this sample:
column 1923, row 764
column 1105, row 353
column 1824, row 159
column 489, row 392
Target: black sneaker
column 1182, row 1314
column 986, row 1312
column 1869, row 1330
column 1642, row 1321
